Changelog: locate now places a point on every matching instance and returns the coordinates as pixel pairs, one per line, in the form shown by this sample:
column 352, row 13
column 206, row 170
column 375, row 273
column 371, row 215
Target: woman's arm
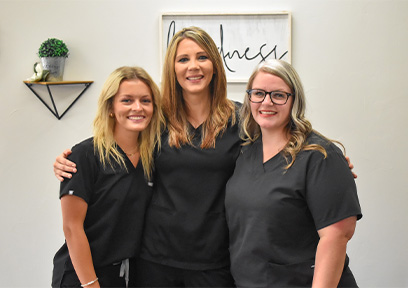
column 331, row 252
column 63, row 167
column 73, row 215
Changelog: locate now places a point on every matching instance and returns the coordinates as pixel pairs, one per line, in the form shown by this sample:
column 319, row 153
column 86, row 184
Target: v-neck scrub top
column 273, row 215
column 185, row 223
column 117, row 201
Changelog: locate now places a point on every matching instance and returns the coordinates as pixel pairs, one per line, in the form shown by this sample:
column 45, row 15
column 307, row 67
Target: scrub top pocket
column 291, row 275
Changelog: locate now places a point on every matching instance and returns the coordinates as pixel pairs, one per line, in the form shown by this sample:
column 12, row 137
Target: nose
column 268, row 98
column 193, row 64
column 137, row 105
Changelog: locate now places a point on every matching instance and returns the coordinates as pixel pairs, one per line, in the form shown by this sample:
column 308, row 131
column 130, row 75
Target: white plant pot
column 55, row 65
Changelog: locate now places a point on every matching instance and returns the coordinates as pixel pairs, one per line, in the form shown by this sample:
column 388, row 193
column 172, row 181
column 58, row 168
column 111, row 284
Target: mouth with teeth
column 136, row 118
column 267, row 112
column 195, row 78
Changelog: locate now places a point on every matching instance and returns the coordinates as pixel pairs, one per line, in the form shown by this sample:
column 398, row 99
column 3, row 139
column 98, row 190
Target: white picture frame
column 243, row 39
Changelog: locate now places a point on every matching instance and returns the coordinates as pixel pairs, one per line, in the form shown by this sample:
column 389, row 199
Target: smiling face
column 193, row 68
column 132, row 107
column 271, row 117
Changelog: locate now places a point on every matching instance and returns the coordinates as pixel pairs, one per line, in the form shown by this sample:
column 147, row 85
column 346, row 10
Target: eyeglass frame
column 270, row 95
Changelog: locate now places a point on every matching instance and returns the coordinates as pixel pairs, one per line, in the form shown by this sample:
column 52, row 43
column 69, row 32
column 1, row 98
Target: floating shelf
column 54, row 110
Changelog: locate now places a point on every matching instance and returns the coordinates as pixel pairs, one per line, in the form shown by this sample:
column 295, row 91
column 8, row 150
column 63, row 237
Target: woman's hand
column 351, row 166
column 63, row 167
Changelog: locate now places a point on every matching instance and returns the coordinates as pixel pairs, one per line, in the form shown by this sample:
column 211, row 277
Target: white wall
column 351, row 55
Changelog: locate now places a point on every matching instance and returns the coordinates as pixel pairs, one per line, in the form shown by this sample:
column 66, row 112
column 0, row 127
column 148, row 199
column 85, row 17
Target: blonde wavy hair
column 103, row 126
column 173, row 104
column 299, row 127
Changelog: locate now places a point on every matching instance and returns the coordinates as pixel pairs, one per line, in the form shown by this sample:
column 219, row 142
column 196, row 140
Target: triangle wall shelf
column 53, row 109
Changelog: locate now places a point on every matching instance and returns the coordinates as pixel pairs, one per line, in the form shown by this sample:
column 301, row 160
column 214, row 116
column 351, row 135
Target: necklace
column 136, row 149
column 134, row 153
column 131, row 154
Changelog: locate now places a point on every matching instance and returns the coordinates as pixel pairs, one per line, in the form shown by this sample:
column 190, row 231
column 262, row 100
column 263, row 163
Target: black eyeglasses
column 277, row 97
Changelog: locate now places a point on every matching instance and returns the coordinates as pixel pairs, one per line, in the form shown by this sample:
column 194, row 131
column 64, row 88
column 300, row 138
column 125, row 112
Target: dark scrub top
column 273, row 215
column 117, row 202
column 185, row 223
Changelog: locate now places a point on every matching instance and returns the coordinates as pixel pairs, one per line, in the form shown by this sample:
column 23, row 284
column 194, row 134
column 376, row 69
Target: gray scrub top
column 273, row 215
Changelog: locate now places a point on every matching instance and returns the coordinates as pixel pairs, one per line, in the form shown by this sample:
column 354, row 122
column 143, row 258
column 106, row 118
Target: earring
column 111, row 114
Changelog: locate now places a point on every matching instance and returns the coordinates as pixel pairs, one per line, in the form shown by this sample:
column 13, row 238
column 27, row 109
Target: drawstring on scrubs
column 124, row 271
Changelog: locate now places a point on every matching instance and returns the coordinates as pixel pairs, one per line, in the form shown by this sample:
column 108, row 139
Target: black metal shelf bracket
column 53, row 109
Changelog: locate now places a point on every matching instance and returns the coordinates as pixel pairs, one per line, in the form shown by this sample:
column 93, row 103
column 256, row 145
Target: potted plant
column 53, row 53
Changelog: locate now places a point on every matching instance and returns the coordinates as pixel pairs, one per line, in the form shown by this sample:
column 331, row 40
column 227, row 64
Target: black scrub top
column 185, row 223
column 117, row 201
column 273, row 215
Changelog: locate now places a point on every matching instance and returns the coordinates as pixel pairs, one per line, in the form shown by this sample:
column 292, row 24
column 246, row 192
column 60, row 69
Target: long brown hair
column 173, row 104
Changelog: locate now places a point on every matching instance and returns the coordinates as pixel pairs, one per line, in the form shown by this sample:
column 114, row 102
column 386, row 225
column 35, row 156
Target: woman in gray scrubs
column 291, row 203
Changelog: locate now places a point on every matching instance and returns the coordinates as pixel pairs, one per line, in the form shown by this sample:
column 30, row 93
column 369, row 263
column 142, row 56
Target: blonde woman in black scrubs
column 104, row 204
column 291, row 203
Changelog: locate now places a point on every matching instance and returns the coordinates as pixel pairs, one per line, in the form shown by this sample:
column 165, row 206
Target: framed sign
column 243, row 40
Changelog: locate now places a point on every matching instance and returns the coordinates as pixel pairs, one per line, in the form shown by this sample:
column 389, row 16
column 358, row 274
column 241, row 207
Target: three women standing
column 186, row 241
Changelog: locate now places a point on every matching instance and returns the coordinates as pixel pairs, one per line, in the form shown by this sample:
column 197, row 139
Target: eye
column 279, row 95
column 125, row 100
column 258, row 93
column 203, row 57
column 146, row 100
column 182, row 60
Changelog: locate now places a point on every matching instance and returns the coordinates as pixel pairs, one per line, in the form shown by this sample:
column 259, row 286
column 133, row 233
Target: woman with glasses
column 291, row 203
